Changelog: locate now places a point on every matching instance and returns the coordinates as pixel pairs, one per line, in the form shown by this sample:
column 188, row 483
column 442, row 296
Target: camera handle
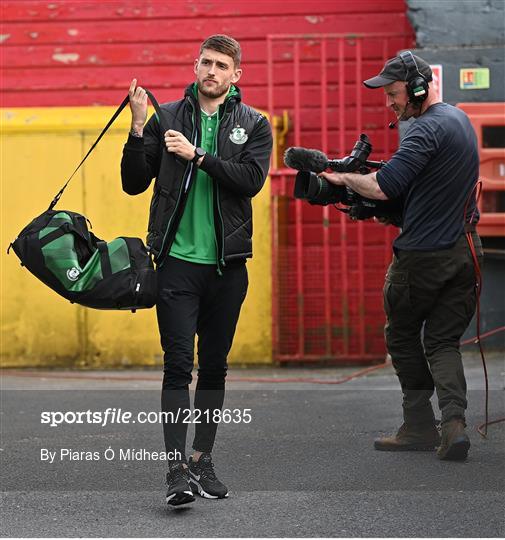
column 375, row 164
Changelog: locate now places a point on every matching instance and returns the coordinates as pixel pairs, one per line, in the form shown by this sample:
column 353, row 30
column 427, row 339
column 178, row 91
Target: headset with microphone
column 417, row 85
column 392, row 125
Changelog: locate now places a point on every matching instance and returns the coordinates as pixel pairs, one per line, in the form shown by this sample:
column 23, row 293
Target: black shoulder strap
column 109, row 123
column 103, row 250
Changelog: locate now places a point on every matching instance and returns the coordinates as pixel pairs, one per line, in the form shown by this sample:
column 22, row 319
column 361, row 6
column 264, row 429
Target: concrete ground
column 304, row 465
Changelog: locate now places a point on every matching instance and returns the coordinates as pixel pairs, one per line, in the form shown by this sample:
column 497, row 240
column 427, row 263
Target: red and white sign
column 437, row 80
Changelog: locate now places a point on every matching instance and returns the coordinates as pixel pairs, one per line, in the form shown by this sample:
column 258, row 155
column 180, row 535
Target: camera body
column 317, row 190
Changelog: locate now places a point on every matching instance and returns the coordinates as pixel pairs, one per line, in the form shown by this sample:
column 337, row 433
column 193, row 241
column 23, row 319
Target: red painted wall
column 79, row 53
column 64, row 53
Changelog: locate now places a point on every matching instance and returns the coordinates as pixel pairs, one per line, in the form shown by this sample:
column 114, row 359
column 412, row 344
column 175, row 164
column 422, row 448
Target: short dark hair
column 225, row 45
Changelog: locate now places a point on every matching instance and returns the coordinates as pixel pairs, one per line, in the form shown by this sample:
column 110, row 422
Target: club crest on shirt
column 73, row 273
column 238, row 135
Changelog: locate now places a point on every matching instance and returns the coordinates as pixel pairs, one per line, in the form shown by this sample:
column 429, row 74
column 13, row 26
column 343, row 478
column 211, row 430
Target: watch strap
column 199, row 152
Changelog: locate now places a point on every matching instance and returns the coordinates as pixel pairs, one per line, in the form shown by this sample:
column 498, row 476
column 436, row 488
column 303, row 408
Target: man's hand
column 334, row 178
column 177, row 143
column 138, row 107
column 364, row 184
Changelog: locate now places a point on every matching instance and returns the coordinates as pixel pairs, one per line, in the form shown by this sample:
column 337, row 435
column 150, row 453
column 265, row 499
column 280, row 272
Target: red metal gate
column 328, row 271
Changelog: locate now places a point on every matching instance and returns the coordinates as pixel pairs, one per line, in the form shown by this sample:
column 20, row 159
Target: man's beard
column 212, row 93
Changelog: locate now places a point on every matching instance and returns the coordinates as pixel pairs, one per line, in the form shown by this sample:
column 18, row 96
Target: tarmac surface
column 304, row 465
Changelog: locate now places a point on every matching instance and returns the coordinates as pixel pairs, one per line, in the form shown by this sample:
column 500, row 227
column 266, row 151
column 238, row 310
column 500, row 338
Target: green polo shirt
column 195, row 240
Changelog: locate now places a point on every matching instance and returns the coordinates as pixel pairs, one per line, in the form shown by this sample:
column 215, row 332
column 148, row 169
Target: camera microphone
column 305, row 159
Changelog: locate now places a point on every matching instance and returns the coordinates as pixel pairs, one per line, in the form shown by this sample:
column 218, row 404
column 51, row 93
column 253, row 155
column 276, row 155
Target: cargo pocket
column 397, row 292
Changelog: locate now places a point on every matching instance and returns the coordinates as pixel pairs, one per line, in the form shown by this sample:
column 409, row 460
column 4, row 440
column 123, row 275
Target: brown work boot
column 455, row 442
column 420, row 438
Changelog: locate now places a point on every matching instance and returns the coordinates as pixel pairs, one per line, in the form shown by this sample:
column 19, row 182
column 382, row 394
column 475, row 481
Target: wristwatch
column 199, row 152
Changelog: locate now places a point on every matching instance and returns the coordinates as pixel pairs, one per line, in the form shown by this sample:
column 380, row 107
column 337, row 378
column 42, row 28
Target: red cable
column 477, row 189
column 485, row 335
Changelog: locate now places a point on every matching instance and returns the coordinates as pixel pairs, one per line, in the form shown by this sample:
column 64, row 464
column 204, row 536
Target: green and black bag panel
column 35, row 243
column 68, row 252
column 115, row 288
column 129, row 278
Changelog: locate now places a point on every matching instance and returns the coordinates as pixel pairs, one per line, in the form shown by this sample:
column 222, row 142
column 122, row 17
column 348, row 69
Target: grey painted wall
column 463, row 23
column 462, row 34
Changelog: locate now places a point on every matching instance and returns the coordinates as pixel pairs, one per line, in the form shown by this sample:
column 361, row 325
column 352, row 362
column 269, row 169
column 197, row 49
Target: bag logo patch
column 73, row 273
column 238, row 135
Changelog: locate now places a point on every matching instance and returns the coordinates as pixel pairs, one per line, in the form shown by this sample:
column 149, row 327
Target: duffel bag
column 58, row 248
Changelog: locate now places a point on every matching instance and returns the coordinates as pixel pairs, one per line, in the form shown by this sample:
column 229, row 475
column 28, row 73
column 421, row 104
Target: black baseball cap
column 395, row 70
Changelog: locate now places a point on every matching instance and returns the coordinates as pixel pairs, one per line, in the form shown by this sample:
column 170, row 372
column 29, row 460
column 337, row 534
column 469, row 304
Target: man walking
column 208, row 165
column 430, row 289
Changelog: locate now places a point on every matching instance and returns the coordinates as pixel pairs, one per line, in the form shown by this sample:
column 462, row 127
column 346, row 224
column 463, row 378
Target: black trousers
column 429, row 299
column 193, row 299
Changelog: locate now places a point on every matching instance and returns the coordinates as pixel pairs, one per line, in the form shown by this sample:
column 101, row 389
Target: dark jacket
column 238, row 169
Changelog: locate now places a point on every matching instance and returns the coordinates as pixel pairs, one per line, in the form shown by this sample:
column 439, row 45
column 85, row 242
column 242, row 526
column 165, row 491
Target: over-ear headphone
column 417, row 85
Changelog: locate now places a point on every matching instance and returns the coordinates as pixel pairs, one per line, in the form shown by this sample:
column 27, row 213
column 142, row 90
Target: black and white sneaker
column 203, row 478
column 179, row 490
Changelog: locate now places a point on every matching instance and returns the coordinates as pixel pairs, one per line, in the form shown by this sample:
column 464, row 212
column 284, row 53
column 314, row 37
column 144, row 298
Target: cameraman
column 430, row 287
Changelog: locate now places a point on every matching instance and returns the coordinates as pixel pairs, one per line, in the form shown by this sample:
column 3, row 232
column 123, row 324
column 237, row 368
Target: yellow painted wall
column 39, row 150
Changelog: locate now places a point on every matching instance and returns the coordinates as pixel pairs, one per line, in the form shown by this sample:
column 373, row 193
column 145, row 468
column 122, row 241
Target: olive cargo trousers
column 429, row 300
